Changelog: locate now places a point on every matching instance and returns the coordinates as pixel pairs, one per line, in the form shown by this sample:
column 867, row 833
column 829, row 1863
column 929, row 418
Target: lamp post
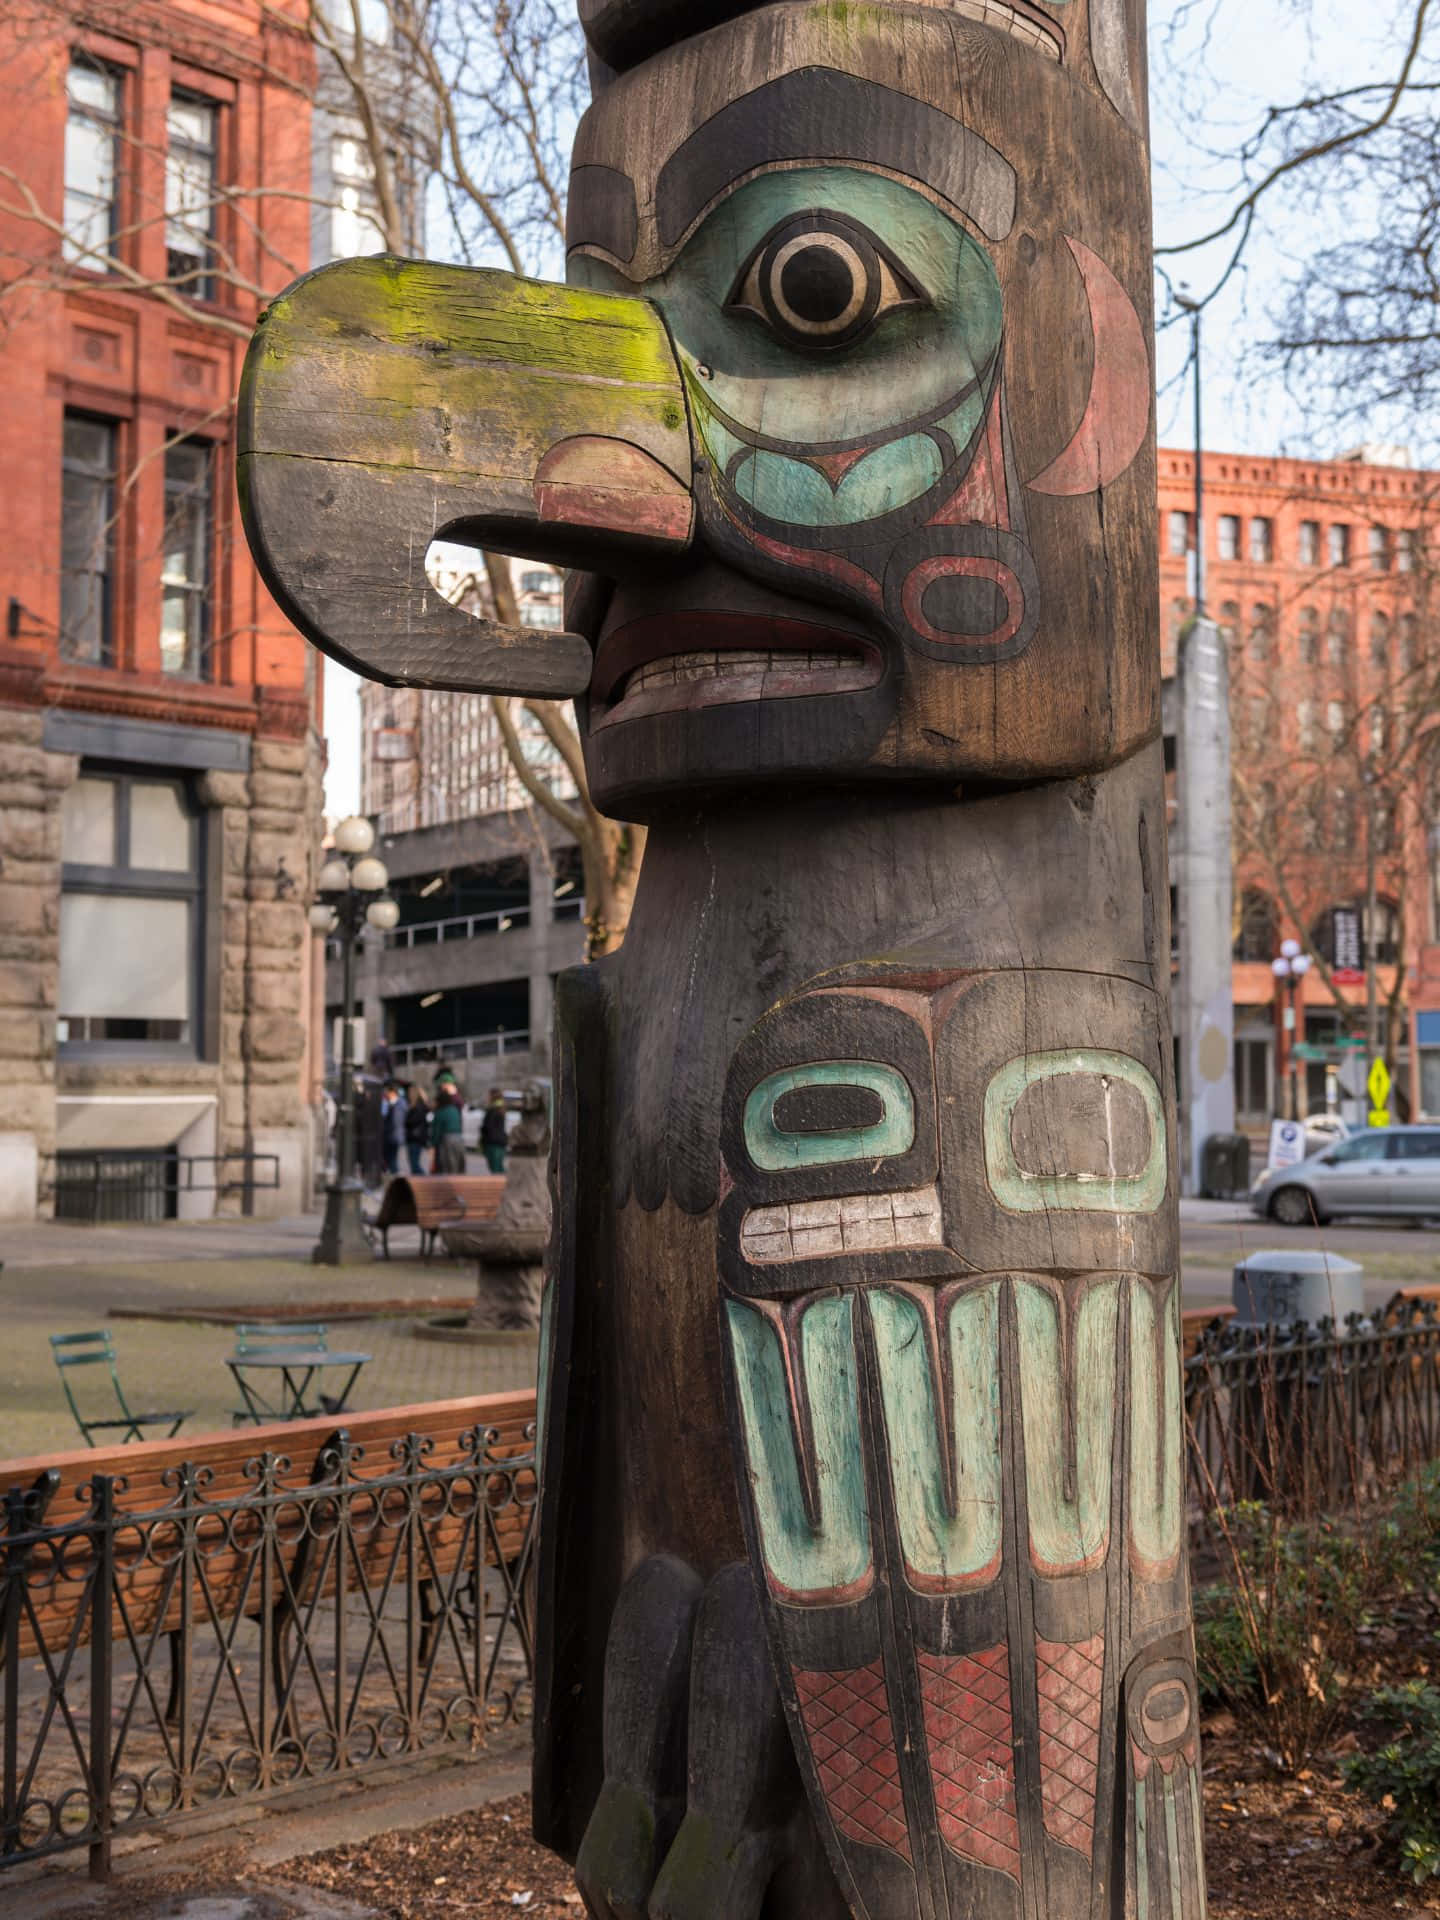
column 1195, row 308
column 1290, row 967
column 351, row 896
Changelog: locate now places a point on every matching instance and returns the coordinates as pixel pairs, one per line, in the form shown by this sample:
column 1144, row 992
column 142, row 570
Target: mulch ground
column 481, row 1864
column 1276, row 1850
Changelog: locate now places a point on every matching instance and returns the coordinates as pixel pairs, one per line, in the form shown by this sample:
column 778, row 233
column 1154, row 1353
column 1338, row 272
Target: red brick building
column 1323, row 574
column 159, row 744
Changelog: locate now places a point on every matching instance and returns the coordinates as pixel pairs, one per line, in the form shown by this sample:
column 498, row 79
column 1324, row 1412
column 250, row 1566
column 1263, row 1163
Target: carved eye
column 820, row 281
column 833, row 1111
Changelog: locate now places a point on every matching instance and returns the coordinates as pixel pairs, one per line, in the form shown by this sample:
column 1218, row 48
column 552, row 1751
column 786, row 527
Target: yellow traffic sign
column 1379, row 1084
column 1380, row 1117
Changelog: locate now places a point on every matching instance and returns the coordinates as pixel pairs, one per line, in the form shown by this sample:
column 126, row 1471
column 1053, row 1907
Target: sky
column 1215, row 65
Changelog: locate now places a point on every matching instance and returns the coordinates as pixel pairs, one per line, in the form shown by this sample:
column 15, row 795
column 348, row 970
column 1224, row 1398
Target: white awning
column 86, row 1122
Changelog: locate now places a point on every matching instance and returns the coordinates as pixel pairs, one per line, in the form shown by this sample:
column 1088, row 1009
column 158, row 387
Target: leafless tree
column 477, row 98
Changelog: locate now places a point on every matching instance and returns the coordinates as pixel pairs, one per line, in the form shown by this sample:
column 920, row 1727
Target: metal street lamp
column 351, row 888
column 1290, row 967
column 1195, row 309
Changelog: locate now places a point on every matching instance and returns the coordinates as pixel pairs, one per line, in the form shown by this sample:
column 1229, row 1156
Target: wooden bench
column 431, row 1201
column 147, row 1598
column 1194, row 1321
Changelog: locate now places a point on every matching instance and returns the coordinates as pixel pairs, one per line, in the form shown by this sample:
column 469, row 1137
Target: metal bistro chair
column 98, row 1349
column 273, row 1337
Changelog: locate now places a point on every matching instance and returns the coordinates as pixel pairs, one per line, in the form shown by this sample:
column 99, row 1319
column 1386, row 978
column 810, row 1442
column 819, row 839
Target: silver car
column 1383, row 1170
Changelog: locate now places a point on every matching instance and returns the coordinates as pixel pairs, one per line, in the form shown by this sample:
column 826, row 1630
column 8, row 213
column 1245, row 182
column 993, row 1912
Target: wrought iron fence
column 148, row 1183
column 1317, row 1417
column 228, row 1643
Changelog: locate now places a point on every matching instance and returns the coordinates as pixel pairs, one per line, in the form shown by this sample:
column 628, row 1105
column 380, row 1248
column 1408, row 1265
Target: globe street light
column 351, row 887
column 1290, row 967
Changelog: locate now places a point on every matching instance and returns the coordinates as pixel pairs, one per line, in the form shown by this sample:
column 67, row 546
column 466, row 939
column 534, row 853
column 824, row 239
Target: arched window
column 1338, row 935
column 1230, row 620
column 1379, row 640
column 1256, row 927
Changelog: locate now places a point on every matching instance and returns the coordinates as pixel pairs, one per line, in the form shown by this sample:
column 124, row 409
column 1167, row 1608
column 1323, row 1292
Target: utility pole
column 1372, row 1007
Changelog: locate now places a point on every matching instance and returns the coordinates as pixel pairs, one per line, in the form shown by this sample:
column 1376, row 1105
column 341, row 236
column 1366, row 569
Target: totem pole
column 862, row 1587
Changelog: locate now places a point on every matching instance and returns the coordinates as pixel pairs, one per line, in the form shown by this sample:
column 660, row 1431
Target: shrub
column 1404, row 1776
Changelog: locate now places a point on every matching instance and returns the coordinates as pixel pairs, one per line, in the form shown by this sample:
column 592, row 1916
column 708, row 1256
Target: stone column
column 32, row 788
column 542, row 962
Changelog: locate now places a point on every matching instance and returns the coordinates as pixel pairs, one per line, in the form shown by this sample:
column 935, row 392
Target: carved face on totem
column 914, row 375
column 951, row 1321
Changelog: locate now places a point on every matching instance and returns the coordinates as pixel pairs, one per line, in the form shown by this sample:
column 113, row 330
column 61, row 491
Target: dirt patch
column 482, row 1864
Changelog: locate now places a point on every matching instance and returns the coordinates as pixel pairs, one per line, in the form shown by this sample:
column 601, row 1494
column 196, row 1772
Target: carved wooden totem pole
column 862, row 1585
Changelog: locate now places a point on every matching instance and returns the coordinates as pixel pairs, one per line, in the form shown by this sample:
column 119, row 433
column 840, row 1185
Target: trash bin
column 1225, row 1166
column 1291, row 1283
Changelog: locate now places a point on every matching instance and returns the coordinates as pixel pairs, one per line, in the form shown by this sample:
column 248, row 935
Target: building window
column 1179, row 537
column 185, row 575
column 87, row 541
column 354, row 227
column 1344, row 822
column 1379, row 640
column 1406, row 653
column 1337, row 638
column 1309, row 636
column 1339, row 545
column 1334, row 716
column 1305, row 725
column 1262, row 541
column 1262, row 629
column 1257, row 930
column 130, row 914
column 1229, row 620
column 191, row 182
column 1379, row 549
column 1252, row 1078
column 1229, row 536
column 92, row 156
column 1309, row 543
column 1405, row 551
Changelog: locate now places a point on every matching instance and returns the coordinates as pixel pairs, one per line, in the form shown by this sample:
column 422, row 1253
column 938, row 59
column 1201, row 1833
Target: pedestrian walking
column 392, row 1126
column 417, row 1127
column 493, row 1131
column 447, row 1125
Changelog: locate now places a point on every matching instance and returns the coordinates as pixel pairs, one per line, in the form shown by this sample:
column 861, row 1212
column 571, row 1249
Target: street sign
column 1287, row 1143
column 1378, row 1085
column 1380, row 1117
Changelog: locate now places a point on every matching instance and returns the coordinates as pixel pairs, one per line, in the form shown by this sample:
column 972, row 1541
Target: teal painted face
column 839, row 338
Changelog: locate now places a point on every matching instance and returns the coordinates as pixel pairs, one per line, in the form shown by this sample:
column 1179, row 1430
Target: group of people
column 411, row 1126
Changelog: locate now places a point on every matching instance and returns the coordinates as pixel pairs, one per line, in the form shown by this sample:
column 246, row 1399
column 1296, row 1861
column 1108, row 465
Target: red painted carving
column 972, row 1755
column 852, row 1739
column 1069, row 1680
column 1112, row 428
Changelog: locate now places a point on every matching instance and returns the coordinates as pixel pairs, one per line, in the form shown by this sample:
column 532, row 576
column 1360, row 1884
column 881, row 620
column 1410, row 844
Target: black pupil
column 817, row 285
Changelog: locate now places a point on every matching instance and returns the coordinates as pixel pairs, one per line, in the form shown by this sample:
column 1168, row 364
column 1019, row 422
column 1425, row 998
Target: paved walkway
column 59, row 1278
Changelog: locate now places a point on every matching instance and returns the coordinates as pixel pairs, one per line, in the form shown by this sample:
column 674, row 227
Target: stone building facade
column 160, row 750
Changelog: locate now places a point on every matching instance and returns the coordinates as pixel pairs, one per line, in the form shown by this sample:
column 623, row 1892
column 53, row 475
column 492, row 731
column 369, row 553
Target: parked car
column 1323, row 1130
column 1383, row 1170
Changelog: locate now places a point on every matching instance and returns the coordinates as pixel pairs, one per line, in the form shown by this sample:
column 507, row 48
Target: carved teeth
column 994, row 13
column 678, row 669
column 858, row 1223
